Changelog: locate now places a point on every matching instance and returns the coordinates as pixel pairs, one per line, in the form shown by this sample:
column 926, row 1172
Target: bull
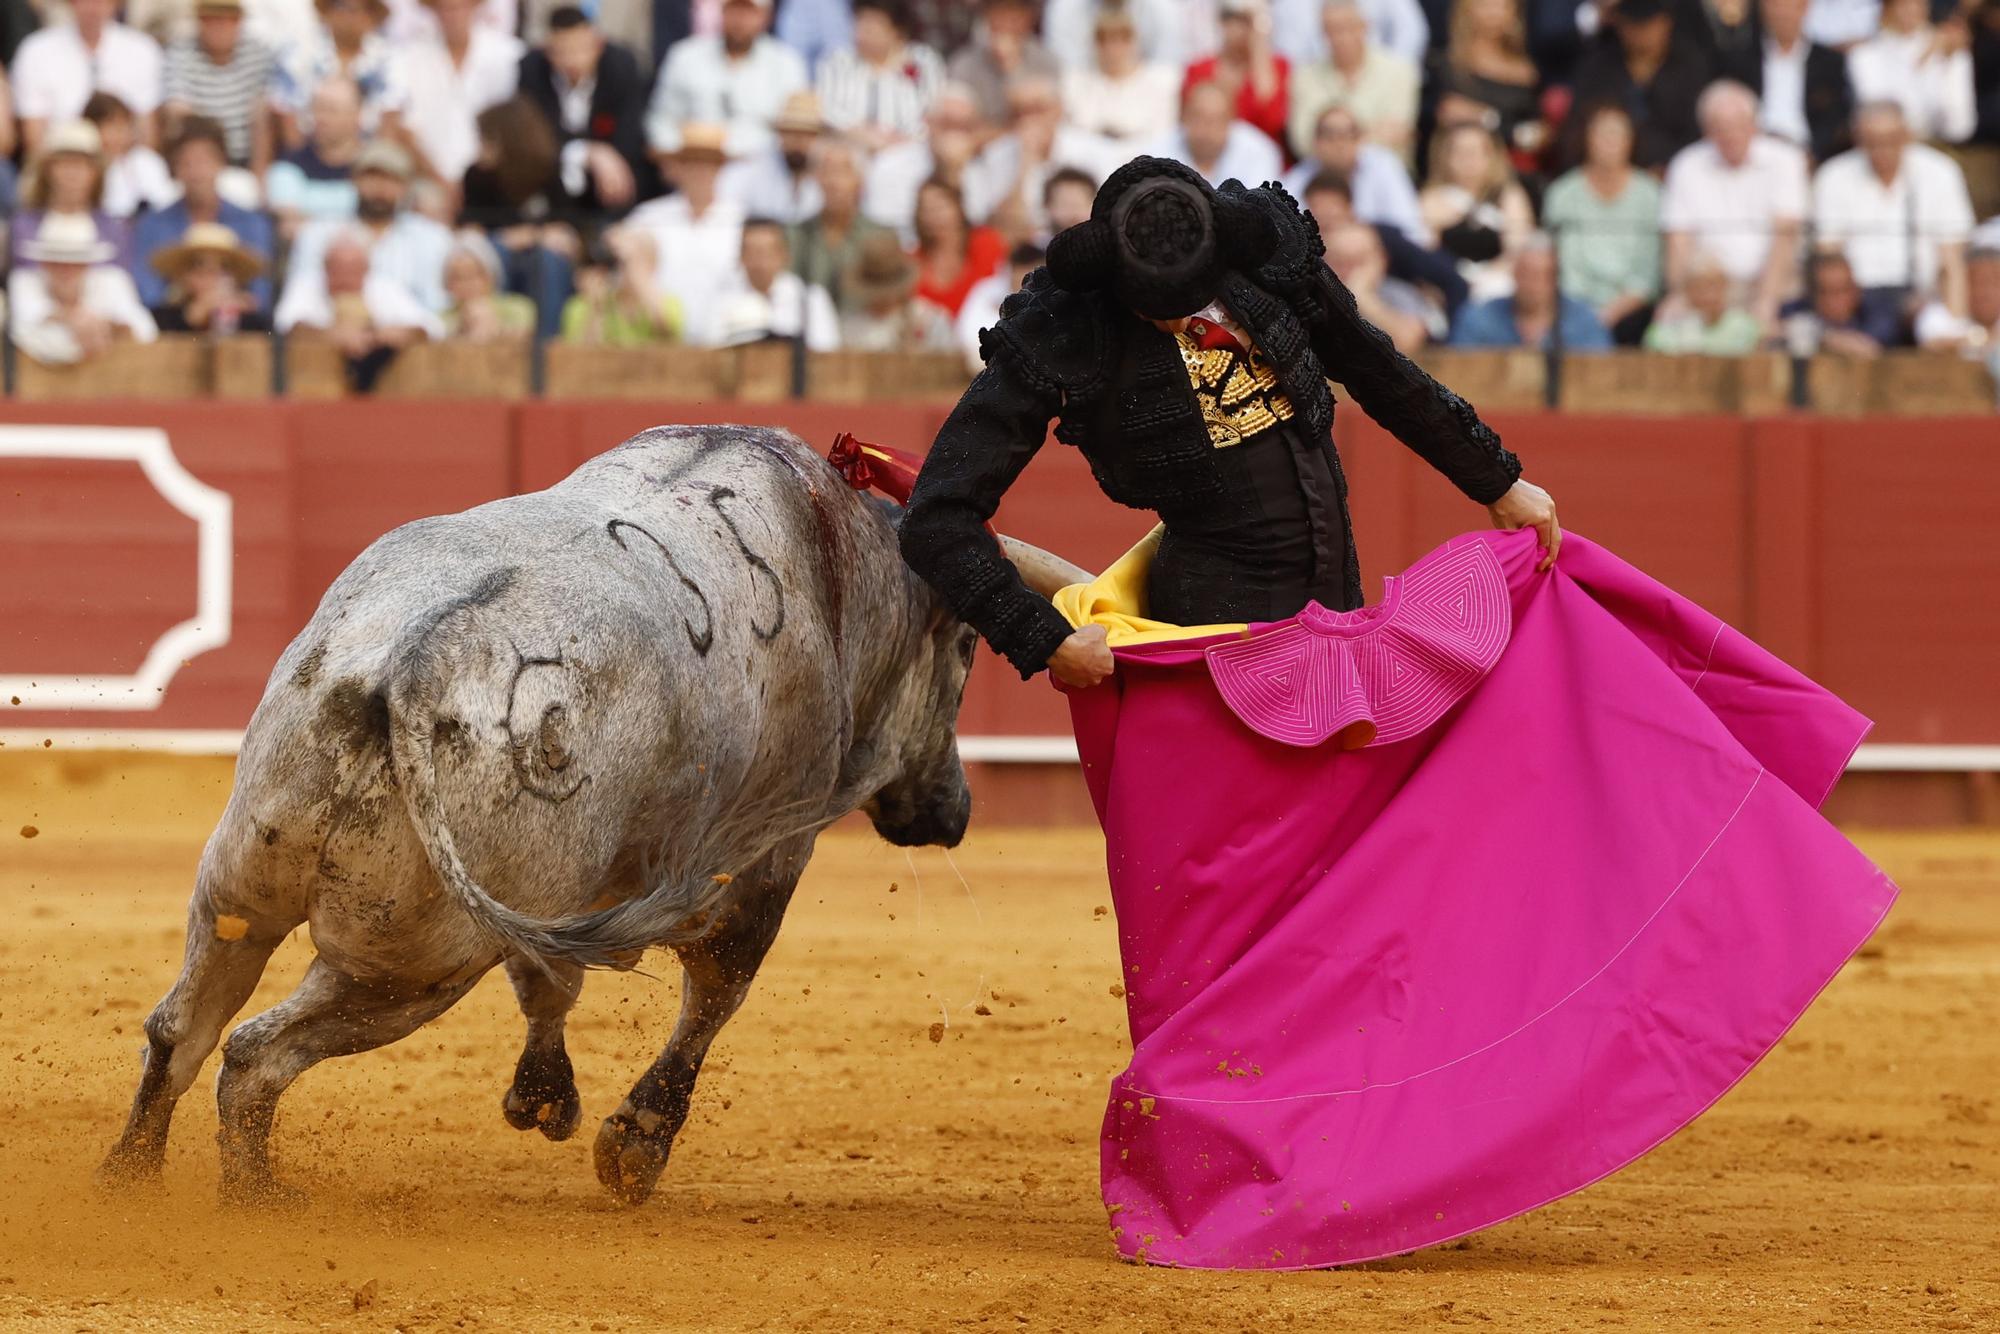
column 550, row 733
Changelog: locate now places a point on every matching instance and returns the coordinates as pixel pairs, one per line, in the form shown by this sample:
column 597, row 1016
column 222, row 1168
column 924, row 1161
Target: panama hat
column 208, row 238
column 879, row 271
column 700, row 142
column 72, row 136
column 800, row 114
column 67, row 238
column 385, row 157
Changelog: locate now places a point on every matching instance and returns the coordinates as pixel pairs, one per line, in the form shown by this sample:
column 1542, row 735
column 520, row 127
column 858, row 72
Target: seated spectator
column 135, row 177
column 1330, row 200
column 339, row 295
column 1015, row 167
column 207, row 277
column 825, row 246
column 1923, row 69
column 878, row 89
column 1474, row 206
column 1642, row 64
column 953, row 132
column 1257, row 78
column 1119, row 96
column 198, row 159
column 885, row 315
column 1382, row 191
column 697, row 234
column 1003, row 49
column 593, row 97
column 75, row 303
column 1535, row 313
column 618, row 301
column 951, row 254
column 777, row 182
column 1400, row 27
column 1727, row 34
column 982, row 304
column 1606, row 220
column 1704, row 319
column 1977, row 332
column 508, row 194
column 1355, row 253
column 1738, row 196
column 739, row 78
column 764, row 299
column 479, row 311
column 1378, row 88
column 1067, row 198
column 1163, row 27
column 315, row 181
column 1836, row 318
column 404, row 247
column 1486, row 61
column 465, row 68
column 223, row 73
column 67, row 177
column 1899, row 211
column 1218, row 145
column 57, row 69
column 1807, row 99
column 347, row 46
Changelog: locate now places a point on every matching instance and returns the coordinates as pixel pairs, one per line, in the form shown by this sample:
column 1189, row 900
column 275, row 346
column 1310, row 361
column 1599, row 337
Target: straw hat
column 800, row 114
column 880, row 271
column 68, row 238
column 72, row 136
column 700, row 142
column 386, row 157
column 203, row 239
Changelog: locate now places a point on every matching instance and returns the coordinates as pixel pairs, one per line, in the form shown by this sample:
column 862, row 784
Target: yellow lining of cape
column 1115, row 600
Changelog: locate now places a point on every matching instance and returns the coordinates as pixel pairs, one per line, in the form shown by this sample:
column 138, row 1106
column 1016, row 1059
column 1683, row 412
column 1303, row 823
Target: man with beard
column 778, row 182
column 404, row 247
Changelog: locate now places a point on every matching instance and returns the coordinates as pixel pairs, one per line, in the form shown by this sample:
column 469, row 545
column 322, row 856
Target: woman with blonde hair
column 1474, row 206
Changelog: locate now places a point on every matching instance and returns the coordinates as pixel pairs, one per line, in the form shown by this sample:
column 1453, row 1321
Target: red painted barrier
column 1862, row 551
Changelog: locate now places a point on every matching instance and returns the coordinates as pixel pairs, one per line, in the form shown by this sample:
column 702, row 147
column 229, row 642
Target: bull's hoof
column 629, row 1159
column 544, row 1097
column 131, row 1166
column 259, row 1190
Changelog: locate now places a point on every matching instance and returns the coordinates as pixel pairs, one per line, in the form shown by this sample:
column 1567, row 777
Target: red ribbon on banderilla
column 866, row 466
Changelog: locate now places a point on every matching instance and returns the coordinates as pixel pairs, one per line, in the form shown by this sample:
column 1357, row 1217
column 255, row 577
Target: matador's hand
column 1082, row 660
column 1528, row 506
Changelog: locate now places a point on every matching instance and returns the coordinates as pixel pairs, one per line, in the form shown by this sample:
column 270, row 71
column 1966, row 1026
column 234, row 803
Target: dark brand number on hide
column 703, row 641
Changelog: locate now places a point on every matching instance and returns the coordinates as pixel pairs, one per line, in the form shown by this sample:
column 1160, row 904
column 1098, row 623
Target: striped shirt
column 853, row 93
column 232, row 93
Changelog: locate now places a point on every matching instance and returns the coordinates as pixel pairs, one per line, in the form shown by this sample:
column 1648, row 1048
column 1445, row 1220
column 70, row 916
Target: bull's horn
column 1040, row 570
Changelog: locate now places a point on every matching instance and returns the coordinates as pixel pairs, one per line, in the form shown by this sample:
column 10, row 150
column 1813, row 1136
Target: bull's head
column 928, row 801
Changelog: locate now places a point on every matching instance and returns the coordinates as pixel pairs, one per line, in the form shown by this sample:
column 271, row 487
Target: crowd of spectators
column 1710, row 176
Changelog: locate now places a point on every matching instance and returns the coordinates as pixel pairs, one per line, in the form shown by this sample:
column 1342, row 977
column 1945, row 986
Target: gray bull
column 549, row 733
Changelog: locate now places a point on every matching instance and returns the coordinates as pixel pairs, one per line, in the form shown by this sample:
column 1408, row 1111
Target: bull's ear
column 1045, row 573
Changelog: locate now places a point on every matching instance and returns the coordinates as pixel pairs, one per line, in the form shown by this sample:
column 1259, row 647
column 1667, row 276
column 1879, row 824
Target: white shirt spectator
column 306, row 304
column 699, row 82
column 1936, row 94
column 764, row 187
column 1139, row 107
column 853, row 93
column 1891, row 233
column 1299, row 35
column 981, row 311
column 1249, row 155
column 446, row 98
column 377, row 70
column 1068, row 27
column 995, row 171
column 1382, row 189
column 108, row 292
column 1841, row 23
column 410, row 253
column 411, row 21
column 1782, row 108
column 697, row 256
column 895, row 175
column 1731, row 210
column 744, row 315
column 54, row 73
column 137, row 180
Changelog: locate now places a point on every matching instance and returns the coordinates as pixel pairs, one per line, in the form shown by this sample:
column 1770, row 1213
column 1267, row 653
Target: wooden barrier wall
column 1864, row 551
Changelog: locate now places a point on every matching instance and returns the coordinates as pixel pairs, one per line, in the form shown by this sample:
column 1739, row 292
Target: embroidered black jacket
column 1117, row 390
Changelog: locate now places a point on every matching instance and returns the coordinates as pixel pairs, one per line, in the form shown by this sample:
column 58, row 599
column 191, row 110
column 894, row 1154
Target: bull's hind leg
column 331, row 1014
column 226, row 954
column 633, row 1142
column 544, row 1096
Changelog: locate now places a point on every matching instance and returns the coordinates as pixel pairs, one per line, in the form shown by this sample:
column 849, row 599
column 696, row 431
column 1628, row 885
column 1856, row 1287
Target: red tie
column 1209, row 336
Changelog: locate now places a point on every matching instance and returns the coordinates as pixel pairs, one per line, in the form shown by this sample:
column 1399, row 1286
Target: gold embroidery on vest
column 1238, row 395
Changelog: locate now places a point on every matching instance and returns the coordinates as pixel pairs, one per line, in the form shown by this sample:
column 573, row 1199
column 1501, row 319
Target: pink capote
column 1385, row 996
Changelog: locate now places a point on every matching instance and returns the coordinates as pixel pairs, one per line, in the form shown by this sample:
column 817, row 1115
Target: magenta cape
column 1571, row 891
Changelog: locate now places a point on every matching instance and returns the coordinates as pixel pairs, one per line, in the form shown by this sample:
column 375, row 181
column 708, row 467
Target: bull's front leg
column 633, row 1142
column 543, row 1096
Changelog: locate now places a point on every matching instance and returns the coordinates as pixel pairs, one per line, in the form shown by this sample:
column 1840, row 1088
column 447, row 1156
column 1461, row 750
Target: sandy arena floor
column 842, row 1171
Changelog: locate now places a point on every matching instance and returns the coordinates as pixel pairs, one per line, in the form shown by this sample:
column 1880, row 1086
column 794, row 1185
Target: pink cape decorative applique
column 1574, row 888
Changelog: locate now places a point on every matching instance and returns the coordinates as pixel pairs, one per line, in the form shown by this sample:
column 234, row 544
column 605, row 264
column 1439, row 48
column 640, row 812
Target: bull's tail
column 678, row 909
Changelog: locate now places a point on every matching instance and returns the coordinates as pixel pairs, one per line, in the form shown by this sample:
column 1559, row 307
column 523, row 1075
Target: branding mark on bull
column 701, row 641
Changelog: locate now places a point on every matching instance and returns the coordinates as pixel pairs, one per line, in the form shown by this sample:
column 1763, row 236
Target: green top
column 516, row 314
column 1737, row 332
column 609, row 323
column 1609, row 248
column 818, row 260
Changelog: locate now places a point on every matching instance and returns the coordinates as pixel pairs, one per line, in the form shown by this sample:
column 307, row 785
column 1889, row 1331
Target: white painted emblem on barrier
column 214, row 565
